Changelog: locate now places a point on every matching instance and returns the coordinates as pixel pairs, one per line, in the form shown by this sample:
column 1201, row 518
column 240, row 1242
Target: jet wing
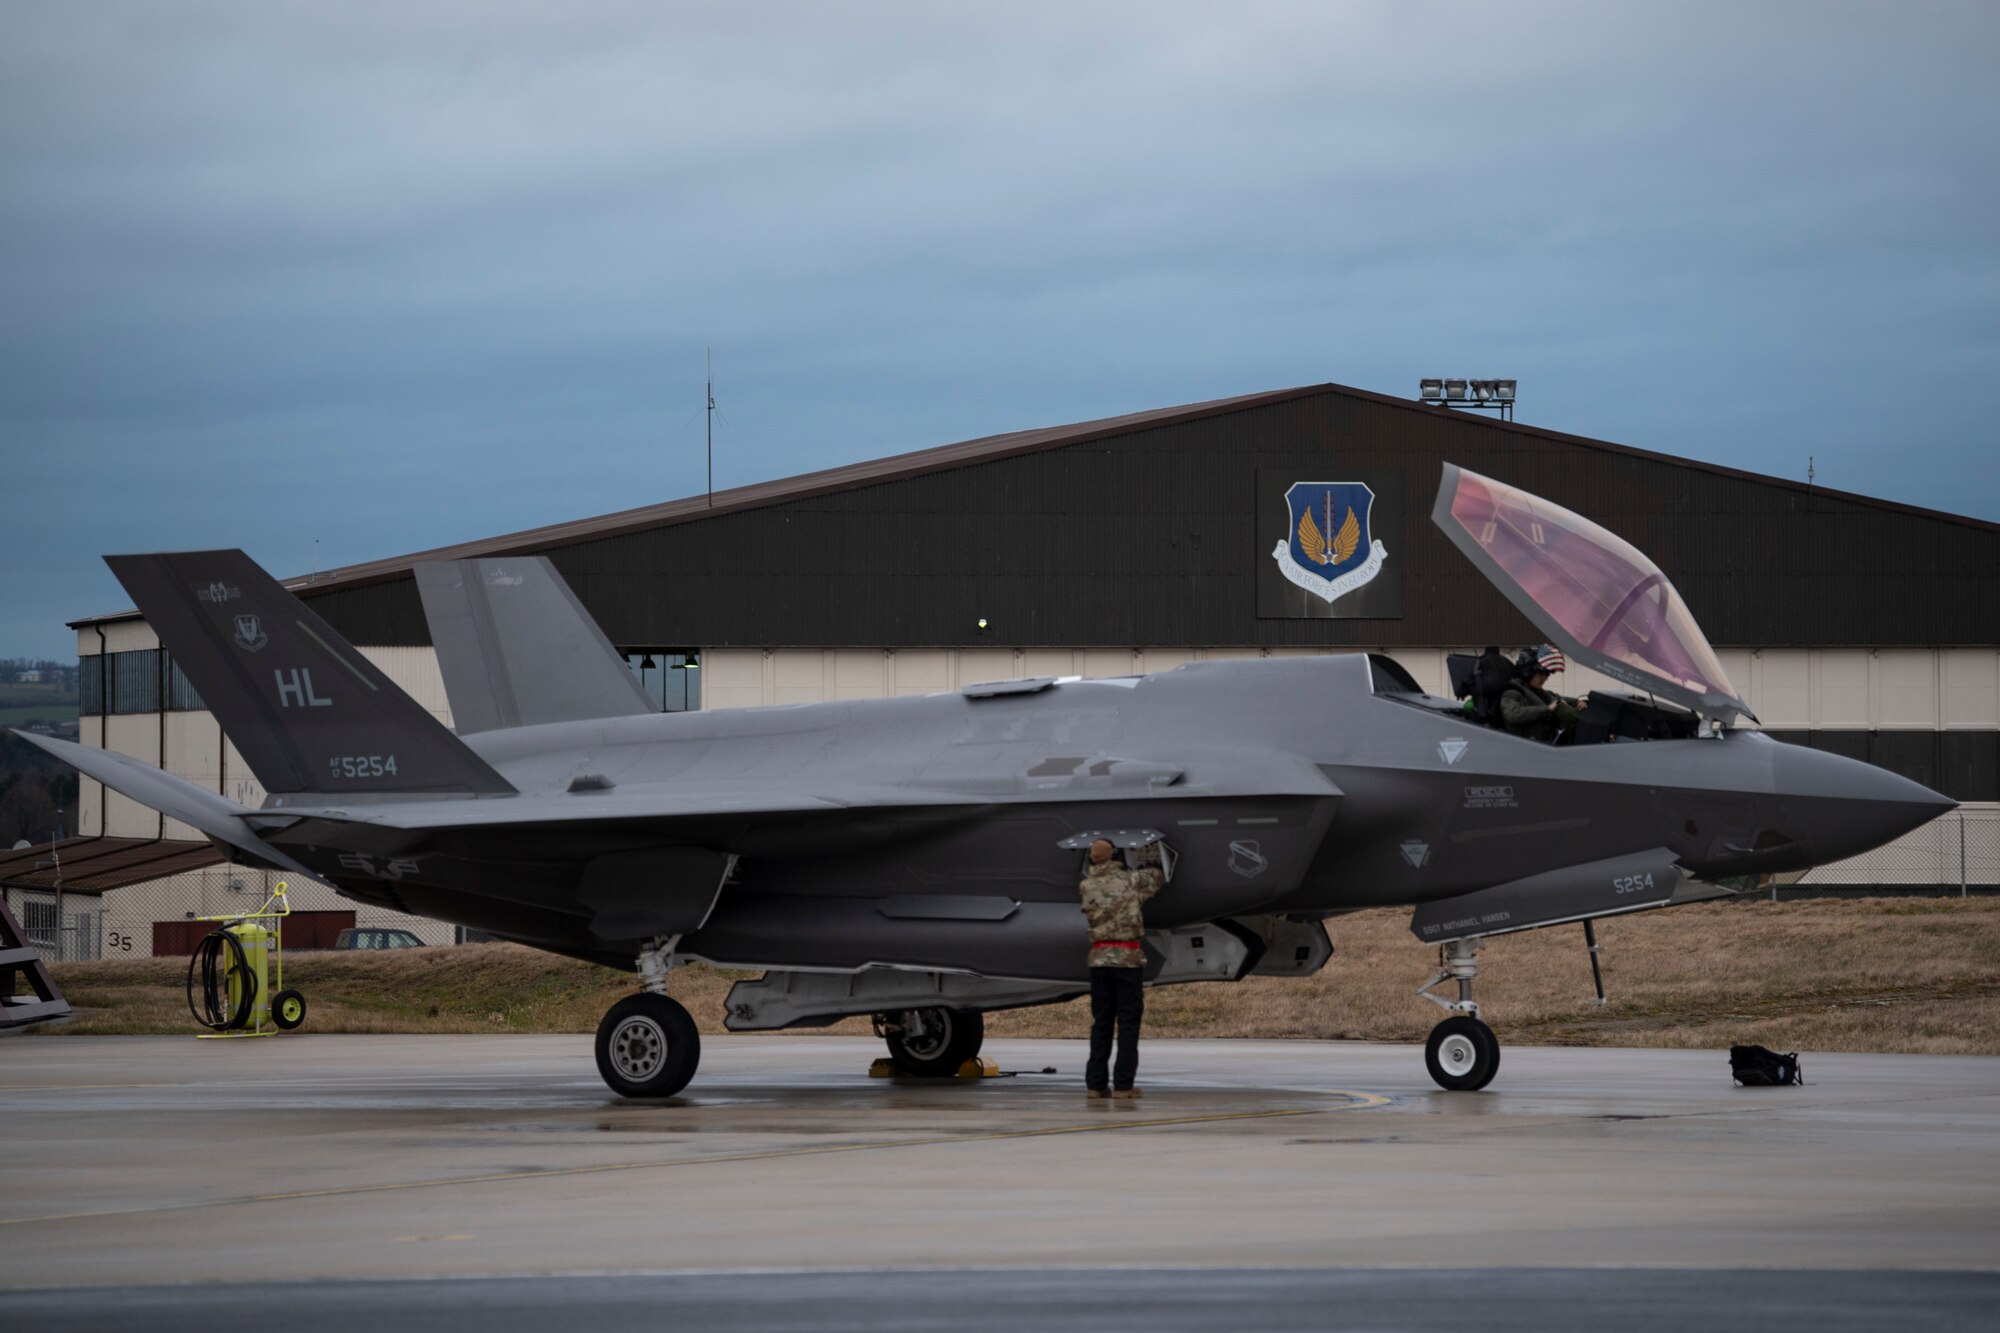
column 1596, row 596
column 217, row 816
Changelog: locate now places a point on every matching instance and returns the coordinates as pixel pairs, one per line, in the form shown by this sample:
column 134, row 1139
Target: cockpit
column 1599, row 600
column 1607, row 715
column 1603, row 605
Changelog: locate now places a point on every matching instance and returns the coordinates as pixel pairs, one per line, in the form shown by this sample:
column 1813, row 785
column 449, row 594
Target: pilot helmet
column 1541, row 658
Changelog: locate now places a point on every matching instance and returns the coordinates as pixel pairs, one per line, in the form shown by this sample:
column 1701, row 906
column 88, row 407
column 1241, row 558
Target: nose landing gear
column 1462, row 1054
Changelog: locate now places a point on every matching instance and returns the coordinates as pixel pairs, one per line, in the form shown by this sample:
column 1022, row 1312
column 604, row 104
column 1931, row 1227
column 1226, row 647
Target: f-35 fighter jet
column 916, row 859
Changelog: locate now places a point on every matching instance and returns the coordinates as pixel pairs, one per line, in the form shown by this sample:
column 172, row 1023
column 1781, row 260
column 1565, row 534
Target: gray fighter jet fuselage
column 1306, row 786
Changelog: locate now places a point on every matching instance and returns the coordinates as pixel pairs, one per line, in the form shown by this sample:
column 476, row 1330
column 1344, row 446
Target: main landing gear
column 931, row 1043
column 1462, row 1054
column 647, row 1046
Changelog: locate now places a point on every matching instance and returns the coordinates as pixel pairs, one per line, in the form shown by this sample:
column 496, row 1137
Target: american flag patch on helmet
column 1551, row 660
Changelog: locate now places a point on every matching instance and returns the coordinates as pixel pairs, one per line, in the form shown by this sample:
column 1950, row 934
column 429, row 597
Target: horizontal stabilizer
column 517, row 649
column 177, row 798
column 306, row 710
column 1615, row 885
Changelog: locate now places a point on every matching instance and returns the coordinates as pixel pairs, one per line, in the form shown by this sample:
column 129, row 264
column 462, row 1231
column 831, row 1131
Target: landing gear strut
column 931, row 1043
column 647, row 1045
column 1462, row 1054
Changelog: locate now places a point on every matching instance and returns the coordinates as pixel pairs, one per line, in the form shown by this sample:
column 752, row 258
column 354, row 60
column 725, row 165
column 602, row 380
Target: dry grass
column 1918, row 975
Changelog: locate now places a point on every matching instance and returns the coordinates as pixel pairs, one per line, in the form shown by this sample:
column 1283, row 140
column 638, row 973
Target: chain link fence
column 159, row 917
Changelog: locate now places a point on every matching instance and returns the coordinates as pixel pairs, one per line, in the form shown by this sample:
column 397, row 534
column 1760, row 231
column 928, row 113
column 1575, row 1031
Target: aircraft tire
column 1462, row 1054
column 647, row 1046
column 953, row 1036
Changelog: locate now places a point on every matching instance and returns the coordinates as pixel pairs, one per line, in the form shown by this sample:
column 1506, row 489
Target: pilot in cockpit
column 1529, row 708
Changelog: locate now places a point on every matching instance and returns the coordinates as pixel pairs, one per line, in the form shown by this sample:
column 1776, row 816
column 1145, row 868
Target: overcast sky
column 335, row 282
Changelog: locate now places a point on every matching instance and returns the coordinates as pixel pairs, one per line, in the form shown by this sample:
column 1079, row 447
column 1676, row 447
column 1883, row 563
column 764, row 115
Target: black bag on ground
column 1755, row 1067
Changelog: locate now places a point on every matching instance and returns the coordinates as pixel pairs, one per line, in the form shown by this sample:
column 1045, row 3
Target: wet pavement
column 135, row 1161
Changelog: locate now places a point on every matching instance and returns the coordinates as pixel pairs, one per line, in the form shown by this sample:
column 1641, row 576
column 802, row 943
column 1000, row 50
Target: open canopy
column 1592, row 593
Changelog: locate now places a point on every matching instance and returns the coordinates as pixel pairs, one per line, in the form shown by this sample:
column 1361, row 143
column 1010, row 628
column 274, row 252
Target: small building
column 1137, row 543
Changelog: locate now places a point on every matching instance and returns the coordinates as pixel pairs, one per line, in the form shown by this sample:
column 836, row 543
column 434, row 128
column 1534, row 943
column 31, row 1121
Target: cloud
column 386, row 276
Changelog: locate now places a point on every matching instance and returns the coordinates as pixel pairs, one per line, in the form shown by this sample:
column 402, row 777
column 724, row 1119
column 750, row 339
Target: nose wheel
column 1462, row 1054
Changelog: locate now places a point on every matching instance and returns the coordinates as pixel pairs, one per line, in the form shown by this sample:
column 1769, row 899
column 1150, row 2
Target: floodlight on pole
column 1454, row 391
column 1430, row 391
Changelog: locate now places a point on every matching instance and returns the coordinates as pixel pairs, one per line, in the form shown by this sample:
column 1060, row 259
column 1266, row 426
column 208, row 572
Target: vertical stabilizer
column 307, row 711
column 517, row 649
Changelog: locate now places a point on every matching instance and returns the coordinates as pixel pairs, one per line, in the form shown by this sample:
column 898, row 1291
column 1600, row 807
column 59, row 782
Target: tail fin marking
column 305, row 709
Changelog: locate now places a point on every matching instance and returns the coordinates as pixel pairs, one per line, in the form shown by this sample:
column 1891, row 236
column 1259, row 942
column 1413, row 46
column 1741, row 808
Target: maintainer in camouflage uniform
column 1112, row 896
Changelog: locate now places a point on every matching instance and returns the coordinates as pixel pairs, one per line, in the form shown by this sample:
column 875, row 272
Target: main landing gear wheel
column 647, row 1046
column 932, row 1043
column 1463, row 1055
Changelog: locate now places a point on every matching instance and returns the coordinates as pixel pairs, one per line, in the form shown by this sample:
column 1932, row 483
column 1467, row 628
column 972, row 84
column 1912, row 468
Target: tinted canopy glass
column 1594, row 594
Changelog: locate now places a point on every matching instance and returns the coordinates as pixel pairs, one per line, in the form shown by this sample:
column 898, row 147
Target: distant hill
column 50, row 701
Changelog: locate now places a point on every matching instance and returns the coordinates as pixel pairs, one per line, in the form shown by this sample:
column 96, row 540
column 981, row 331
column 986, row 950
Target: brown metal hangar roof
column 98, row 865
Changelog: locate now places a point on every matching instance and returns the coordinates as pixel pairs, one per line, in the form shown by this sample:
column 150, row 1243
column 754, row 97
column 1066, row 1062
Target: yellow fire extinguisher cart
column 236, row 978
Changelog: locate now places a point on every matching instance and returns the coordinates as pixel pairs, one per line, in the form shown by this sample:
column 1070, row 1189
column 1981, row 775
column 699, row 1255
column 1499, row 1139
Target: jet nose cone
column 1844, row 807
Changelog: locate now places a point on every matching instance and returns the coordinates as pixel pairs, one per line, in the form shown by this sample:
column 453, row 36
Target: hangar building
column 1125, row 545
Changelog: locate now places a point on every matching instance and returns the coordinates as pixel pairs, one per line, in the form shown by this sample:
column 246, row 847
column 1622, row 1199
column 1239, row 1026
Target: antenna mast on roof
column 711, row 427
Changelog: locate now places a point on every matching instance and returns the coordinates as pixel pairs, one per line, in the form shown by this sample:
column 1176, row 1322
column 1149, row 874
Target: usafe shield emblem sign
column 1329, row 551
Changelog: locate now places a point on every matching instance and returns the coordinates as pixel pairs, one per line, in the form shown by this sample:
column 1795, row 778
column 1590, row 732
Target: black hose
column 214, row 1013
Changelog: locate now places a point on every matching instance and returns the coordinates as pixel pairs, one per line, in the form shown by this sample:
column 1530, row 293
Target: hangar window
column 135, row 681
column 90, row 679
column 671, row 677
column 130, row 683
column 180, row 690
